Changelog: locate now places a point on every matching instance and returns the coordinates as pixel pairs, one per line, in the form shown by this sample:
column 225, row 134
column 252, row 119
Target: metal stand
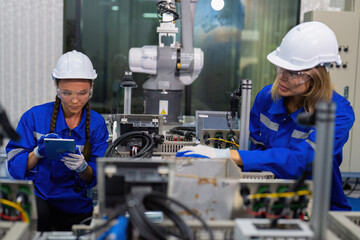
column 245, row 114
column 127, row 100
column 322, row 167
column 128, row 83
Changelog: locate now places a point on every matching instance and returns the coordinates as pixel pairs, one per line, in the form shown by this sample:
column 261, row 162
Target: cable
column 219, row 139
column 157, row 195
column 148, row 146
column 346, row 182
column 17, row 207
column 136, row 211
column 356, row 183
column 86, row 220
column 263, row 213
column 11, row 218
column 188, row 132
column 165, row 7
column 158, row 204
column 118, row 212
column 150, row 230
column 299, row 183
column 279, row 195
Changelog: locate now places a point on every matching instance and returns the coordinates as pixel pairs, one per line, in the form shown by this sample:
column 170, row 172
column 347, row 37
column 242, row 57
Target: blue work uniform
column 53, row 181
column 282, row 146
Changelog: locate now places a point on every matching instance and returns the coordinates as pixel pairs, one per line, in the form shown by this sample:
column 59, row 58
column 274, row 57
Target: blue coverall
column 282, row 146
column 53, row 180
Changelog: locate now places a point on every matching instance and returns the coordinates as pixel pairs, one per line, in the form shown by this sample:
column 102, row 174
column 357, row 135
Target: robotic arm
column 172, row 65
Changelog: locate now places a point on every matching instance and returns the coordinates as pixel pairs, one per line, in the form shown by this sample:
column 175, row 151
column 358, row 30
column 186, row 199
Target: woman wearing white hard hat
column 61, row 184
column 278, row 143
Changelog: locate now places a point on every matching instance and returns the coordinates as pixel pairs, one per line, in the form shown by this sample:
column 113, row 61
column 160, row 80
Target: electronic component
column 206, row 120
column 118, row 177
column 220, row 138
column 276, row 198
column 18, row 202
column 134, row 135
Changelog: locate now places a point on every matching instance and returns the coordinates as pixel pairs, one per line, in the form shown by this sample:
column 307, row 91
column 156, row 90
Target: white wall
column 310, row 5
column 31, row 40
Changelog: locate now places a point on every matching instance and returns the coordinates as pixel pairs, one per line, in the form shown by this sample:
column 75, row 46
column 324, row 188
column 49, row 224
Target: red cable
column 268, row 215
column 11, row 218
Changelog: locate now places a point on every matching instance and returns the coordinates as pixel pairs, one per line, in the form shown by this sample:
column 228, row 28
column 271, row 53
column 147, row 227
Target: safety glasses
column 81, row 95
column 296, row 77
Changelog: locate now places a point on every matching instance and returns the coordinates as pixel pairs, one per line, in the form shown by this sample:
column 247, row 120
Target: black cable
column 188, row 132
column 356, row 183
column 233, row 110
column 156, row 195
column 138, row 218
column 346, row 182
column 118, row 212
column 158, row 204
column 149, row 144
column 149, row 229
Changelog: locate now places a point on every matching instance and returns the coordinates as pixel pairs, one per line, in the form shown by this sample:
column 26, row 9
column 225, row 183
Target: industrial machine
column 171, row 65
column 17, row 209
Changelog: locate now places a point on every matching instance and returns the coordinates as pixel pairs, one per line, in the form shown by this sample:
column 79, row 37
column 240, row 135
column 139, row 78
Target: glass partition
column 235, row 41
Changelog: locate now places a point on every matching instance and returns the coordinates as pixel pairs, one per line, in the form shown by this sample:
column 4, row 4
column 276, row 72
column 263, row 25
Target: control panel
column 345, row 75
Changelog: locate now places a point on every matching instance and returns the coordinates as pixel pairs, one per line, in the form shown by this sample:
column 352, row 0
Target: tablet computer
column 55, row 146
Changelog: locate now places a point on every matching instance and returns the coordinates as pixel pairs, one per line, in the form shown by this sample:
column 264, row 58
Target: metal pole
column 245, row 114
column 127, row 100
column 322, row 167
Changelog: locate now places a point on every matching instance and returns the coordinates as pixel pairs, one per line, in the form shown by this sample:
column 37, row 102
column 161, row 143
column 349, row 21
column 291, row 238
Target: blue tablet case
column 55, row 146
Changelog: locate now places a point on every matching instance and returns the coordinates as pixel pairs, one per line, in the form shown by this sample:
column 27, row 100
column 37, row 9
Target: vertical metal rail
column 322, row 167
column 245, row 114
column 127, row 100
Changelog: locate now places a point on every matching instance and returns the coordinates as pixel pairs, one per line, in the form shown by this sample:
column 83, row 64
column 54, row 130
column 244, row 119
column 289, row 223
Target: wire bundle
column 153, row 231
column 23, row 214
column 147, row 149
column 187, row 132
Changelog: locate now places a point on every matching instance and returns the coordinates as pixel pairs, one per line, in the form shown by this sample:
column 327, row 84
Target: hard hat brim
column 278, row 61
column 274, row 59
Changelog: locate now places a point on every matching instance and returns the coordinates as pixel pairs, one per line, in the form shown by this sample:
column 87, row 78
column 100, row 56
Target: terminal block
column 220, row 138
column 266, row 198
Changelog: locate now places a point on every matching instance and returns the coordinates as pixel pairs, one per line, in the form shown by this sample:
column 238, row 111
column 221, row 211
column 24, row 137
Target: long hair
column 87, row 146
column 320, row 88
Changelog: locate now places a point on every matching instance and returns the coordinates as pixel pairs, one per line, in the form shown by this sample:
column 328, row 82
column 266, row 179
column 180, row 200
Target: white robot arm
column 172, row 65
column 187, row 60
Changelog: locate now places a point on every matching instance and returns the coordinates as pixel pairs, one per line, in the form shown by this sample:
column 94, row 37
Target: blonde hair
column 320, row 88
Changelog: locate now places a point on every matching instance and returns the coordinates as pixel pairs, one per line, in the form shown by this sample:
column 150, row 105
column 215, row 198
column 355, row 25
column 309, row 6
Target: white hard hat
column 74, row 65
column 305, row 46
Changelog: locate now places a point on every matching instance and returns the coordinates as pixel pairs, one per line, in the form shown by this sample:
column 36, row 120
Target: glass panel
column 235, row 41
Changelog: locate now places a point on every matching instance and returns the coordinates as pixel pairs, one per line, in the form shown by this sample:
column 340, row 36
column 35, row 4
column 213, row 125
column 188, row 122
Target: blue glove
column 40, row 151
column 74, row 161
column 201, row 151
